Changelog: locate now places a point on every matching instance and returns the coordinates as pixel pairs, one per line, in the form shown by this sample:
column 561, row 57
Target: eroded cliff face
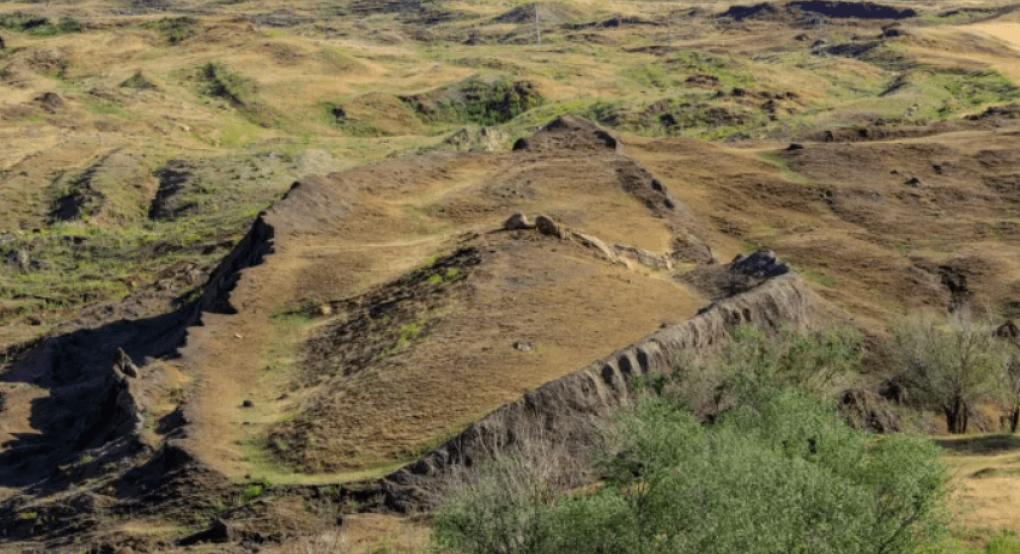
column 566, row 412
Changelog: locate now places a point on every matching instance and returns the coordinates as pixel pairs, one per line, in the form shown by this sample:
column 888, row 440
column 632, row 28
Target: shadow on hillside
column 987, row 444
column 74, row 369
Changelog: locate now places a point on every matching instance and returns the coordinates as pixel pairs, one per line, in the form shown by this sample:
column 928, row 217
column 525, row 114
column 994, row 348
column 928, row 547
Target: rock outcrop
column 863, row 409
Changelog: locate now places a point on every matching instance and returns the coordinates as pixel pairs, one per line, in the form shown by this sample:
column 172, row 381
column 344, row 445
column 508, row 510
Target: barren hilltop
column 280, row 277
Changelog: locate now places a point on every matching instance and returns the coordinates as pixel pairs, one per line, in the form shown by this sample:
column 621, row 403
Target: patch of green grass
column 239, row 91
column 653, row 75
column 335, row 115
column 731, row 71
column 106, row 107
column 409, row 333
column 973, row 89
column 251, row 492
column 819, row 278
column 783, row 167
column 37, row 25
column 265, row 465
column 175, row 29
column 962, row 542
column 480, row 101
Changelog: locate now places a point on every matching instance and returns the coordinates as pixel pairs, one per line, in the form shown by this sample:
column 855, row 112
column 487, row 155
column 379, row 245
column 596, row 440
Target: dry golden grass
column 985, row 472
column 837, row 212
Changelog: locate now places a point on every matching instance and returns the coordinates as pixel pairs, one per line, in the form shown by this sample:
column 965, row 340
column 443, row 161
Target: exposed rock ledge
column 563, row 411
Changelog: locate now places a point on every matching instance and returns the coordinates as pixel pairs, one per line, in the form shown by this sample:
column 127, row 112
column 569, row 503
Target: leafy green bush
column 251, row 492
column 950, row 366
column 507, row 509
column 789, row 477
column 754, row 364
column 776, row 471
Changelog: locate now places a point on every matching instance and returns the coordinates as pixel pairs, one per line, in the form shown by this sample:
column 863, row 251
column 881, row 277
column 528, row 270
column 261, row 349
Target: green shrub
column 1003, row 543
column 950, row 366
column 37, row 25
column 788, row 477
column 754, row 364
column 175, row 29
column 507, row 509
column 68, row 25
column 775, row 472
column 251, row 492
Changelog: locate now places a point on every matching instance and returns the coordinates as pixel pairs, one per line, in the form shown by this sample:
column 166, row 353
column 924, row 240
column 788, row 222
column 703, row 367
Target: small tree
column 950, row 366
column 754, row 364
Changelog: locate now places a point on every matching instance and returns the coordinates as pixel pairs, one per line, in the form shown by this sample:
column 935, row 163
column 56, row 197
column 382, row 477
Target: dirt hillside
column 255, row 258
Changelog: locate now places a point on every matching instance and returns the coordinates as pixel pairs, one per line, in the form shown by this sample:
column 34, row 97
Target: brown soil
column 382, row 316
column 872, row 221
column 333, row 238
column 527, row 290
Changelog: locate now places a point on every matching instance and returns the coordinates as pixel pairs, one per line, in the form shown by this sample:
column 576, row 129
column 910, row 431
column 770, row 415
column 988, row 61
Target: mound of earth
column 548, row 12
column 504, row 314
column 394, row 320
column 336, row 237
column 396, row 353
column 108, row 191
column 809, row 11
column 484, row 101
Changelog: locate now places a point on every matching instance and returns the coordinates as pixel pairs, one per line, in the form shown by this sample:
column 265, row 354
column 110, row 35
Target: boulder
column 518, row 221
column 863, row 409
column 123, row 364
column 219, row 532
column 644, row 257
column 596, row 244
column 547, row 226
column 1008, row 330
column 762, row 264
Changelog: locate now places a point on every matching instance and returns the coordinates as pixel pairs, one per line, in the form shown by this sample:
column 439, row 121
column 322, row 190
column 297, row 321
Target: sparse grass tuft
column 175, row 29
column 239, row 91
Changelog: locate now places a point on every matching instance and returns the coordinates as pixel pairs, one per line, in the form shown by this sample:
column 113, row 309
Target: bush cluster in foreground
column 776, row 472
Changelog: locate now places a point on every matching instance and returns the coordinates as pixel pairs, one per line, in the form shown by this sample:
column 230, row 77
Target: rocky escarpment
column 565, row 412
column 91, row 421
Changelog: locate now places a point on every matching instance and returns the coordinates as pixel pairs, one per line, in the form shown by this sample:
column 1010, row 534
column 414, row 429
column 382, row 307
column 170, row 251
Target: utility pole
column 669, row 31
column 538, row 27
